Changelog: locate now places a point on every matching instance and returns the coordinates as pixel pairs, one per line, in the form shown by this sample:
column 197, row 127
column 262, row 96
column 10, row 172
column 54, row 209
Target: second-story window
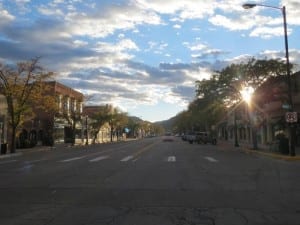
column 59, row 102
column 66, row 104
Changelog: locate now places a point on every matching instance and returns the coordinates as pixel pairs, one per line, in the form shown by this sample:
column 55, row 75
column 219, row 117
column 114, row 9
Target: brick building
column 3, row 123
column 62, row 125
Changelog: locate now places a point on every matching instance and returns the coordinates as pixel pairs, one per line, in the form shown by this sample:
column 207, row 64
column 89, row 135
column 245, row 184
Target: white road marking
column 26, row 167
column 127, row 158
column 10, row 161
column 211, row 159
column 35, row 161
column 99, row 158
column 171, row 159
column 72, row 159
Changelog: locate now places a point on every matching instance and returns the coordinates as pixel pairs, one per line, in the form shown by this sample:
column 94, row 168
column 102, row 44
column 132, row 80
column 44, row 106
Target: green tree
column 99, row 118
column 222, row 91
column 22, row 85
column 117, row 121
column 225, row 85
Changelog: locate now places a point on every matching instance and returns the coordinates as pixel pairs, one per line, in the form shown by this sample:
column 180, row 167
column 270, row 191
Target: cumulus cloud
column 267, row 32
column 107, row 21
column 5, row 17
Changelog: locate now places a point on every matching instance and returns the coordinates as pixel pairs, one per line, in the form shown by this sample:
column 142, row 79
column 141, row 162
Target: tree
column 99, row 118
column 22, row 85
column 117, row 121
column 225, row 86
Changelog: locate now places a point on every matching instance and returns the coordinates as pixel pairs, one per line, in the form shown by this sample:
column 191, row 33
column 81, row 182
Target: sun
column 247, row 93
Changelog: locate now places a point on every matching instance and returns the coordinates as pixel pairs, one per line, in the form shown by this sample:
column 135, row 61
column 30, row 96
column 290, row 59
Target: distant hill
column 135, row 119
column 167, row 124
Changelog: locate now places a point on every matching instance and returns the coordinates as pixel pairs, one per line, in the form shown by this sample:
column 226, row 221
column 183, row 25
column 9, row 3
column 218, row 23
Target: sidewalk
column 262, row 150
column 20, row 152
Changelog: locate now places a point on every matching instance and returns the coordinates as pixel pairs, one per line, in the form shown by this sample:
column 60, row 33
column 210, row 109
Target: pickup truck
column 200, row 138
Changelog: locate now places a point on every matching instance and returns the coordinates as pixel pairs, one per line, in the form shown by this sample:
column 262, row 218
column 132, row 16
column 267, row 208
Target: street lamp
column 1, row 124
column 291, row 107
column 86, row 127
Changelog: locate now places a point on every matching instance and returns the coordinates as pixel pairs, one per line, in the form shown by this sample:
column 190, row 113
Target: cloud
column 5, row 17
column 121, row 53
column 124, row 44
column 187, row 9
column 294, row 56
column 268, row 32
column 203, row 51
column 103, row 23
column 238, row 23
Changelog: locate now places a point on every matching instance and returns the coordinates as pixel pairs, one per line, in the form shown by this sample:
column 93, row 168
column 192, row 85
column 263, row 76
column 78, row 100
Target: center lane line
column 99, row 158
column 72, row 159
column 171, row 159
column 127, row 158
column 137, row 154
column 211, row 159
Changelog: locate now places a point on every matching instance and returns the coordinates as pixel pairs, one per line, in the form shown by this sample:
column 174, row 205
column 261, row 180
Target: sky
column 143, row 56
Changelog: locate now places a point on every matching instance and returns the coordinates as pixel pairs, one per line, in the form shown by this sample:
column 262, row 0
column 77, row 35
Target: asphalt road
column 148, row 182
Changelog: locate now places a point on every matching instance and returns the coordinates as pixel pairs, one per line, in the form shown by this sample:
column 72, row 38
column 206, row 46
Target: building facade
column 3, row 124
column 62, row 125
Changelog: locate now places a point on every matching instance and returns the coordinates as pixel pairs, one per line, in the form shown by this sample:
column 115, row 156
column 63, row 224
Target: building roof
column 65, row 90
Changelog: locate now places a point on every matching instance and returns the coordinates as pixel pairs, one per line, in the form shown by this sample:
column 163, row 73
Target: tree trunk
column 94, row 138
column 111, row 134
column 13, row 140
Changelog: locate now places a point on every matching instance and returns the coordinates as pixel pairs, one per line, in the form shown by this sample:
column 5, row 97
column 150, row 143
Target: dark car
column 205, row 137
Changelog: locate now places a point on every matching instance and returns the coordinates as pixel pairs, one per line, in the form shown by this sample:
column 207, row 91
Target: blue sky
column 139, row 55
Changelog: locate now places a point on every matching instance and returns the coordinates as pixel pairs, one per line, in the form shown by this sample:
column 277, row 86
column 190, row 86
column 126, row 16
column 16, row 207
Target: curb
column 272, row 155
column 247, row 150
column 10, row 155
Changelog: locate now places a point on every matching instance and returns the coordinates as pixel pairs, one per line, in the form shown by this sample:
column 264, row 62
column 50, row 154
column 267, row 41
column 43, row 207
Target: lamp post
column 1, row 124
column 290, row 99
column 86, row 127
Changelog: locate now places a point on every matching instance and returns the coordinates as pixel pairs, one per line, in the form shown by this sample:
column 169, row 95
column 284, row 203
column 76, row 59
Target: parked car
column 201, row 138
column 205, row 137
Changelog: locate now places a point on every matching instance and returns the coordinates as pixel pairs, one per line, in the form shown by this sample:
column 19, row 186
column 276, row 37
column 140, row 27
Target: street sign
column 291, row 117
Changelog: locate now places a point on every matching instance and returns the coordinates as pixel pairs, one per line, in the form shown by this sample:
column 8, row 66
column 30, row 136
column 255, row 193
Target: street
column 148, row 182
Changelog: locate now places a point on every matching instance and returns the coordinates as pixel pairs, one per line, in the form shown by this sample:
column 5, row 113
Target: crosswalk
column 27, row 165
column 130, row 158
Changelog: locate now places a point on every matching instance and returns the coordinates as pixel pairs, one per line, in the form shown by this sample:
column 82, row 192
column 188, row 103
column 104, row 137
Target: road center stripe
column 171, row 159
column 127, row 158
column 72, row 159
column 99, row 158
column 211, row 159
